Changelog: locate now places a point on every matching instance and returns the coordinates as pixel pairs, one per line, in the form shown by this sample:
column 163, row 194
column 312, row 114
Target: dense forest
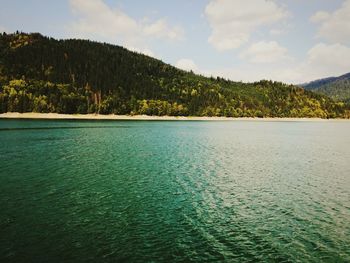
column 42, row 74
column 338, row 88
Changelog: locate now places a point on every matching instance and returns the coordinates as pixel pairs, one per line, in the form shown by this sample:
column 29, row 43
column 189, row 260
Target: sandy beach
column 57, row 116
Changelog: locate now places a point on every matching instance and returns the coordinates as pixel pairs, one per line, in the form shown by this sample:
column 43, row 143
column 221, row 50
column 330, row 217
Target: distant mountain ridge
column 42, row 74
column 338, row 88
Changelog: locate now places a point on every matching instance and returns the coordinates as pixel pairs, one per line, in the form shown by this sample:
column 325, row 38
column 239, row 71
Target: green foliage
column 337, row 88
column 78, row 76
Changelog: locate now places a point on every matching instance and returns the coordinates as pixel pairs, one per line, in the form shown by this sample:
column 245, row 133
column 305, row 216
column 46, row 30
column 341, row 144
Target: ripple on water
column 175, row 191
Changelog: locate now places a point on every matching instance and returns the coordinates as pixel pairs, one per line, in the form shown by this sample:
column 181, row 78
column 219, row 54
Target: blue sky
column 287, row 40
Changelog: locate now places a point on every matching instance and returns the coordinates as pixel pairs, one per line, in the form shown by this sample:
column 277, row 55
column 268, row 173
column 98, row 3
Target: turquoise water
column 148, row 191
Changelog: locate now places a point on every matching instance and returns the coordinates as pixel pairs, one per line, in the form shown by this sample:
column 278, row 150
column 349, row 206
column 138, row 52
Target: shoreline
column 58, row 116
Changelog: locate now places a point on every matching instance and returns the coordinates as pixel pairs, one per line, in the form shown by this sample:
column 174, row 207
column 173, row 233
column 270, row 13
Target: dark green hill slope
column 78, row 76
column 338, row 88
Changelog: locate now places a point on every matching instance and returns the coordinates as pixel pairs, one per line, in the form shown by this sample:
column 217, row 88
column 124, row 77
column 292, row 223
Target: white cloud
column 3, row 29
column 265, row 52
column 98, row 21
column 233, row 21
column 320, row 17
column 161, row 29
column 335, row 27
column 187, row 64
column 96, row 18
column 324, row 60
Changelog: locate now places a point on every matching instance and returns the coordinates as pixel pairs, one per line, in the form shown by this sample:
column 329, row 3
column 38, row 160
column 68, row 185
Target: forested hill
column 42, row 74
column 338, row 88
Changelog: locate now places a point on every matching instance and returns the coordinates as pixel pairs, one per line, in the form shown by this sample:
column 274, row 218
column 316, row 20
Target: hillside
column 42, row 74
column 338, row 88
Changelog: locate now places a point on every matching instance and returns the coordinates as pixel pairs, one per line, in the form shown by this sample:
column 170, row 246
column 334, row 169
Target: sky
column 293, row 41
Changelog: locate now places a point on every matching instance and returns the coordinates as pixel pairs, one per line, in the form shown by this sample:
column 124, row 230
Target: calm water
column 128, row 191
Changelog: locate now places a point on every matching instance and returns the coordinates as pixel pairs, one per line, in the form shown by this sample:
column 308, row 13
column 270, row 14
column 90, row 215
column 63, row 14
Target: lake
column 174, row 191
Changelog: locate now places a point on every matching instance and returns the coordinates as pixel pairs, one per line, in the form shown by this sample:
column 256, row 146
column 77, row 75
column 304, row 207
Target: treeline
column 42, row 74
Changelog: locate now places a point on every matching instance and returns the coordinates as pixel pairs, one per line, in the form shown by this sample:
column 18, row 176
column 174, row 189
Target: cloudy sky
column 287, row 40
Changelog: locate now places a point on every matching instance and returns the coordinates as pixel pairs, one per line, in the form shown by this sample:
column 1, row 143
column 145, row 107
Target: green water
column 148, row 191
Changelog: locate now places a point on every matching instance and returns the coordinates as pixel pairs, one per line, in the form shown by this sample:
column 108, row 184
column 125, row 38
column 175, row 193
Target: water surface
column 174, row 191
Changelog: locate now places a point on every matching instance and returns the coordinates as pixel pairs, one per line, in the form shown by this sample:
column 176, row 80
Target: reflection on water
column 96, row 191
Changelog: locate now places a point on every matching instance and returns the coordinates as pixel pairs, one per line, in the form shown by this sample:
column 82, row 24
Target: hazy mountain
column 337, row 88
